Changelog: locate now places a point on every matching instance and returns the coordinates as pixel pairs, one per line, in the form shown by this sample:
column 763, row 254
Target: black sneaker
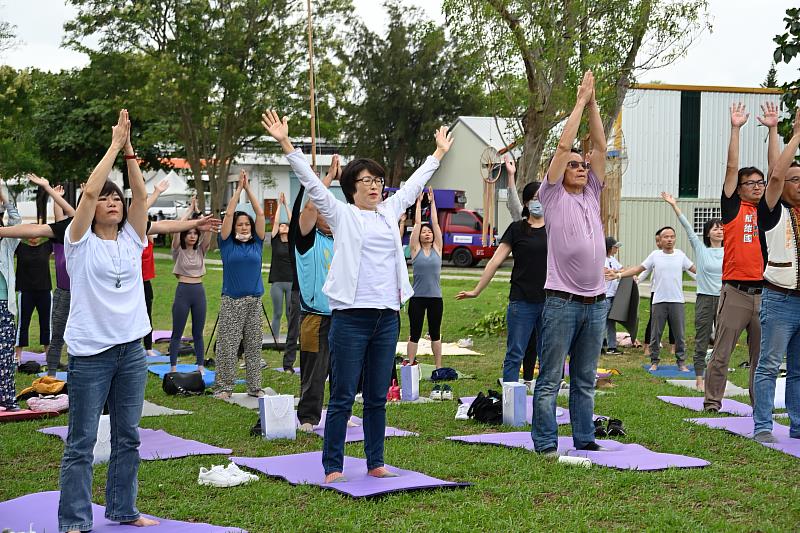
column 599, row 427
column 615, row 428
column 614, row 351
column 592, row 447
column 549, row 452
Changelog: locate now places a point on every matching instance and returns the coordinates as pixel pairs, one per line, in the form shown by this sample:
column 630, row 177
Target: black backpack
column 487, row 408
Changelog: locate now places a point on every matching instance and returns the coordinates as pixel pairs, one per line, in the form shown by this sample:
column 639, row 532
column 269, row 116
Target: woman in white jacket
column 367, row 283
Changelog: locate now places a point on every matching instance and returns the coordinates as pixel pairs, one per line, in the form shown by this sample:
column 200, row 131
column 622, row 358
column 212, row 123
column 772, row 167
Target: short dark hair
column 528, row 193
column 109, row 187
column 185, row 233
column 236, row 216
column 746, row 172
column 351, row 172
column 665, row 228
column 707, row 227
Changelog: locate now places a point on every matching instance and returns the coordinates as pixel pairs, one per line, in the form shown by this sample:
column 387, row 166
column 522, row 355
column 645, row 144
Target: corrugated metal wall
column 715, row 127
column 641, row 218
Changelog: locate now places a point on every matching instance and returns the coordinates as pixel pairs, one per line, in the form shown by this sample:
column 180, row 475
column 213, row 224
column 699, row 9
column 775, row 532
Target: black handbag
column 186, row 383
column 487, row 408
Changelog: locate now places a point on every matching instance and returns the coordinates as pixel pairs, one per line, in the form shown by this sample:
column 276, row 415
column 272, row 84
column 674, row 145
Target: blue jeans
column 361, row 341
column 116, row 376
column 522, row 318
column 575, row 328
column 780, row 334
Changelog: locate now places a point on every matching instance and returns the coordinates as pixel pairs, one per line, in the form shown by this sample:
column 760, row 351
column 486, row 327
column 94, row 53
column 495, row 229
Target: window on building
column 689, row 163
column 703, row 215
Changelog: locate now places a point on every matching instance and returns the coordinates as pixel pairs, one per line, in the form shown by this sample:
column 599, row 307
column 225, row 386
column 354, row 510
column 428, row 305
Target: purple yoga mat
column 40, row 358
column 617, row 455
column 281, row 369
column 158, row 444
column 695, row 403
column 306, row 469
column 743, row 426
column 356, row 434
column 562, row 415
column 39, row 512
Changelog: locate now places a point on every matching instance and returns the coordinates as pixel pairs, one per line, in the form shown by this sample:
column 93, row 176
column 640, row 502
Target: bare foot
column 683, row 368
column 173, row 368
column 150, row 353
column 333, row 476
column 700, row 384
column 653, row 367
column 380, row 472
column 142, row 522
column 222, row 395
column 201, row 369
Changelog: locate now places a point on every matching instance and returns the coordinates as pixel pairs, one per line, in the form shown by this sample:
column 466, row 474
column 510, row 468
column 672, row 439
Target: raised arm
column 500, row 255
column 58, row 212
column 513, row 203
column 227, row 221
column 438, row 242
column 91, row 191
column 739, row 118
column 624, row 273
column 769, row 118
column 307, row 219
column 58, row 197
column 694, row 240
column 776, row 180
column 137, row 210
column 26, row 231
column 261, row 221
column 559, row 162
column 158, row 190
column 597, row 135
column 413, row 240
column 277, row 217
column 203, row 224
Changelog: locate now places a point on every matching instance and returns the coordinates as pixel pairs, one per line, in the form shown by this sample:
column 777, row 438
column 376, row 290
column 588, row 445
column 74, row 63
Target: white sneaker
column 465, row 343
column 359, row 398
column 235, row 472
column 218, row 476
column 461, row 414
column 306, row 428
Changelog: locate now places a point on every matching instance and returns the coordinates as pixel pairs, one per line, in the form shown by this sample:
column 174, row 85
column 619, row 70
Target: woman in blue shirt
column 240, row 243
column 708, row 259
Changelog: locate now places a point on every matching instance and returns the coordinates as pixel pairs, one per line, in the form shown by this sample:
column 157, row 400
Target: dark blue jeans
column 575, row 328
column 361, row 341
column 117, row 375
column 522, row 318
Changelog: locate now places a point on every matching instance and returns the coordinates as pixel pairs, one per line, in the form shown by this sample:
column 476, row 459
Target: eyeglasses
column 753, row 183
column 578, row 164
column 369, row 181
column 793, row 180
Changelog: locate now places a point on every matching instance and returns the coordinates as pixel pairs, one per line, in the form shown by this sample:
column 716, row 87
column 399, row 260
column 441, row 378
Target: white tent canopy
column 177, row 185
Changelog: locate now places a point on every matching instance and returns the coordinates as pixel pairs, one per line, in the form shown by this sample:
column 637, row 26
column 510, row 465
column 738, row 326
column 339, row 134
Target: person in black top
column 281, row 280
column 33, row 282
column 527, row 240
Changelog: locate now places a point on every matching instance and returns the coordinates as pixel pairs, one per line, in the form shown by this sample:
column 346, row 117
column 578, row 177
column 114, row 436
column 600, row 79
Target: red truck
column 461, row 228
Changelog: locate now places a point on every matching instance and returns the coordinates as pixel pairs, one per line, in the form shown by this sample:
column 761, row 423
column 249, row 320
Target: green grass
column 747, row 488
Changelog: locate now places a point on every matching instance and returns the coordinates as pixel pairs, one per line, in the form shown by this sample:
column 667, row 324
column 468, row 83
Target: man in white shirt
column 668, row 265
column 612, row 247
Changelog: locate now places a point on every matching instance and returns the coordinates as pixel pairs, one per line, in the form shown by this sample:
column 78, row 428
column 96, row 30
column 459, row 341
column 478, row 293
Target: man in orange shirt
column 743, row 263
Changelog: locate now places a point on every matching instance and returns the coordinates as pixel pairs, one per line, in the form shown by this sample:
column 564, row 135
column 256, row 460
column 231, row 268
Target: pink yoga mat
column 743, row 426
column 25, row 414
column 158, row 444
column 617, row 455
column 695, row 403
column 39, row 512
column 306, row 469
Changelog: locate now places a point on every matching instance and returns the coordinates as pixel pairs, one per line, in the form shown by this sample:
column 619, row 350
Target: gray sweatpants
column 292, row 332
column 58, row 321
column 279, row 292
column 663, row 313
column 705, row 315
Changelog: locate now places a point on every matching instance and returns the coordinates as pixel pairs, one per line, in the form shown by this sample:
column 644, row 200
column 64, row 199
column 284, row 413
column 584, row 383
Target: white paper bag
column 514, row 408
column 278, row 419
column 409, row 382
column 102, row 448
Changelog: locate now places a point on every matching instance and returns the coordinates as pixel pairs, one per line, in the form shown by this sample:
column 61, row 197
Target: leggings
column 529, row 361
column 278, row 292
column 30, row 300
column 8, row 365
column 59, row 316
column 148, row 300
column 417, row 307
column 189, row 297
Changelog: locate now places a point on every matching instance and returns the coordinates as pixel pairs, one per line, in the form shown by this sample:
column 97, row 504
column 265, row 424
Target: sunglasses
column 578, row 164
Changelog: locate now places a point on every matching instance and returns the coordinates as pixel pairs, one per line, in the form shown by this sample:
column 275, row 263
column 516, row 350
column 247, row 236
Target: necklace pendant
column 119, row 283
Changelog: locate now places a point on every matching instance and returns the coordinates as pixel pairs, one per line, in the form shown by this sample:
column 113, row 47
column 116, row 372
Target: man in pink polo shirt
column 573, row 320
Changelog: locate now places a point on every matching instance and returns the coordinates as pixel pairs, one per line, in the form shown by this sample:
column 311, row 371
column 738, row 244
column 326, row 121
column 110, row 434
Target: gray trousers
column 705, row 316
column 293, row 332
column 58, row 322
column 314, row 367
column 663, row 313
column 279, row 291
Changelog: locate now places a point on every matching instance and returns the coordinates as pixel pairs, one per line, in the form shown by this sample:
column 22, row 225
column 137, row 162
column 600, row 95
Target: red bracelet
column 130, row 156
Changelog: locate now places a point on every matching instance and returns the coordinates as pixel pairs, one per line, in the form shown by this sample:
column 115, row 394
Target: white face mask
column 535, row 208
column 242, row 237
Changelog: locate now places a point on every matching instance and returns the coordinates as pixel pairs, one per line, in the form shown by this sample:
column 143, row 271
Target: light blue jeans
column 522, row 318
column 575, row 328
column 116, row 376
column 780, row 334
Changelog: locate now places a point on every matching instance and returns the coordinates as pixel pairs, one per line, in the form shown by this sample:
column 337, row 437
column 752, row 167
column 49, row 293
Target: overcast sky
column 736, row 53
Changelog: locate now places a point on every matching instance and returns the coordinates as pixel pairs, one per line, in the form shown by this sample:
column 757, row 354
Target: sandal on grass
column 222, row 395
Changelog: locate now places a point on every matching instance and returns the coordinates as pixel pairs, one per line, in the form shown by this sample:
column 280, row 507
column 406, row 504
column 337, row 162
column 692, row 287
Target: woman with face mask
column 426, row 258
column 527, row 240
column 240, row 243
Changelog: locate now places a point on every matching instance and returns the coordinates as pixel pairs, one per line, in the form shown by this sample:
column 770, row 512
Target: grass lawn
column 747, row 487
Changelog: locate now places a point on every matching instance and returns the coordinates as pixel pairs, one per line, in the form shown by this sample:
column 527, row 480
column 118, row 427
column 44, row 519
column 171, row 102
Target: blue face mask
column 535, row 208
